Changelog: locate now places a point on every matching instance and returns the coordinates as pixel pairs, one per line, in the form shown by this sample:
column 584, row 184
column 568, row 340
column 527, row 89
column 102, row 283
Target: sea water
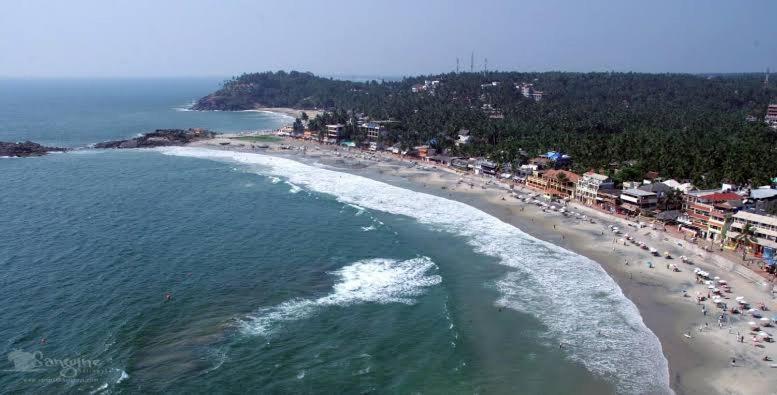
column 284, row 277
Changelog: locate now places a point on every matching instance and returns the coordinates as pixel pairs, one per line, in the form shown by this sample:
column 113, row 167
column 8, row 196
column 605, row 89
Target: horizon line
column 356, row 75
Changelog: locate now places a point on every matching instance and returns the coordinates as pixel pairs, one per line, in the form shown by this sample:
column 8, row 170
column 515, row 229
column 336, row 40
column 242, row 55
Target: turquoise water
column 284, row 278
column 77, row 112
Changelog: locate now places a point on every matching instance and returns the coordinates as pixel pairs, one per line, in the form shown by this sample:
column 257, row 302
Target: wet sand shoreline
column 700, row 364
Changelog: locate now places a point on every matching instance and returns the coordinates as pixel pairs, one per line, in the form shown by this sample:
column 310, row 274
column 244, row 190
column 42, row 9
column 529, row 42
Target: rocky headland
column 27, row 148
column 160, row 138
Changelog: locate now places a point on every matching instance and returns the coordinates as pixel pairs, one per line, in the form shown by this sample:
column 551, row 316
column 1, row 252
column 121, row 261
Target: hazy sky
column 83, row 38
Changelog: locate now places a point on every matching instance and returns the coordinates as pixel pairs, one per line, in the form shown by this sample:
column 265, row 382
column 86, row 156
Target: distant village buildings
column 427, row 86
column 771, row 116
column 731, row 216
column 463, row 138
column 528, row 91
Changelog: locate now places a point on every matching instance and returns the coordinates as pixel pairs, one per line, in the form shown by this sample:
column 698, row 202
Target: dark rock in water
column 160, row 138
column 27, row 148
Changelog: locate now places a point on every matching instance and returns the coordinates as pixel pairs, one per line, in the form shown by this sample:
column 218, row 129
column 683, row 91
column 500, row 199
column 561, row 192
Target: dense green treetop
column 681, row 125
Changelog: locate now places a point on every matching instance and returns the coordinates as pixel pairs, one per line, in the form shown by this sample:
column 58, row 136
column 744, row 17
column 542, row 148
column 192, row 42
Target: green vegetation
column 258, row 139
column 683, row 126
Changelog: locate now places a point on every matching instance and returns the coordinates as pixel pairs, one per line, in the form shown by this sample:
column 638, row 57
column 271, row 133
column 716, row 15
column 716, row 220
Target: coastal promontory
column 293, row 89
column 160, row 138
column 27, row 148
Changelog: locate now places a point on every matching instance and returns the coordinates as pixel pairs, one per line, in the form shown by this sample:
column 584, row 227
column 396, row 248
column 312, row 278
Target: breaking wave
column 599, row 326
column 369, row 281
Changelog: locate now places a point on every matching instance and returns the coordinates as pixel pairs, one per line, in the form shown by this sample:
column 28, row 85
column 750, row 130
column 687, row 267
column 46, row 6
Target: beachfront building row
column 554, row 183
column 635, row 201
column 760, row 234
column 705, row 212
column 588, row 186
column 334, row 133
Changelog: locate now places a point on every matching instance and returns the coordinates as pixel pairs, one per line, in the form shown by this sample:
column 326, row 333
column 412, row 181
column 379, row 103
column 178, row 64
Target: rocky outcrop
column 160, row 138
column 27, row 148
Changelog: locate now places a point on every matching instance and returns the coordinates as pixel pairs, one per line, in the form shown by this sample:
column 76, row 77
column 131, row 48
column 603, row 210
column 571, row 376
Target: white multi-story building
column 464, row 138
column 588, row 187
column 334, row 133
column 763, row 228
column 635, row 200
column 771, row 115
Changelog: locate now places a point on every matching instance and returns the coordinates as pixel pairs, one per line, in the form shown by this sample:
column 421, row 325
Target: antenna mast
column 472, row 62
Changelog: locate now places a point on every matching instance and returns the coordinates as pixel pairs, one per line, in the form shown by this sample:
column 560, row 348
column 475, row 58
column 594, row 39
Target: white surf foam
column 570, row 294
column 122, row 377
column 273, row 113
column 369, row 281
column 294, row 188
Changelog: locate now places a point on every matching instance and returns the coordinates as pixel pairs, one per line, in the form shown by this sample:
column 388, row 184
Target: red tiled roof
column 720, row 197
column 572, row 177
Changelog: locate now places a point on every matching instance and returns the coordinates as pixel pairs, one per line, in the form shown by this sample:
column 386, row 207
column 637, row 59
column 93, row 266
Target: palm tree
column 745, row 237
column 672, row 200
column 562, row 178
column 563, row 181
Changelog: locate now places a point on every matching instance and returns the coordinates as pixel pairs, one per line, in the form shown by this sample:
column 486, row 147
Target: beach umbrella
column 711, row 287
column 724, row 282
column 742, row 301
column 739, row 298
column 752, row 324
column 717, row 278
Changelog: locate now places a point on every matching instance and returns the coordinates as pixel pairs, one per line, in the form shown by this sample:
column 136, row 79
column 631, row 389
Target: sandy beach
column 292, row 112
column 704, row 352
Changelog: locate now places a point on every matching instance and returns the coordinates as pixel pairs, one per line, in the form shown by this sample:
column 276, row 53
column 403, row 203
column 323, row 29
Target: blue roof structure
column 556, row 156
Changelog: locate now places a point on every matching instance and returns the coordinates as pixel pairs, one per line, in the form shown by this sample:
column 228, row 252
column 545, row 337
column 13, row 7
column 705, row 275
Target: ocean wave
column 359, row 209
column 377, row 280
column 599, row 326
column 294, row 188
column 123, row 376
column 186, row 107
column 273, row 113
